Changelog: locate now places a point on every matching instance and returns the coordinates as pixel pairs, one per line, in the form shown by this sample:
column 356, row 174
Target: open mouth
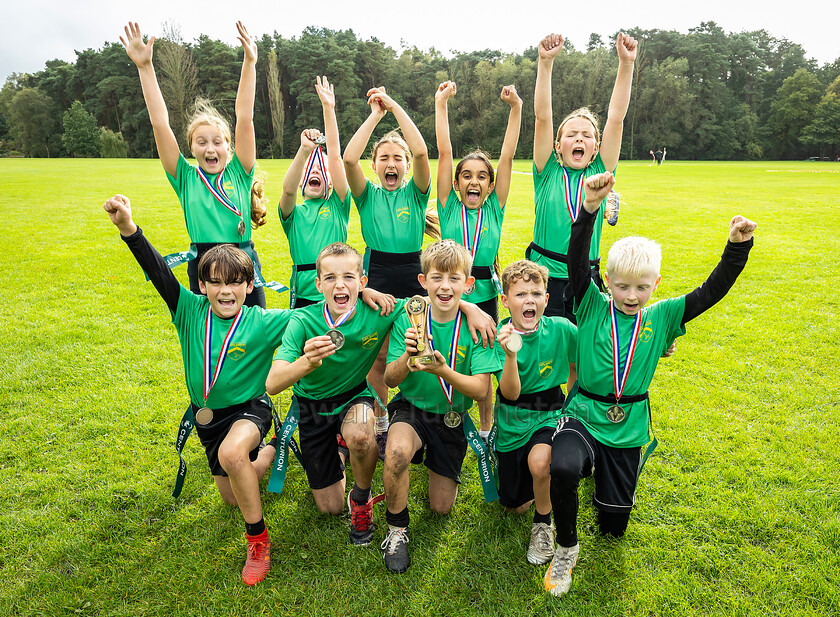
column 391, row 178
column 529, row 313
column 314, row 183
column 578, row 153
column 341, row 300
column 445, row 298
column 227, row 303
column 473, row 195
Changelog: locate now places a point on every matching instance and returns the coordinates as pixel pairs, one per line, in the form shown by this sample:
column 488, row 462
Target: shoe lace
column 560, row 565
column 394, row 538
column 255, row 549
column 362, row 515
column 544, row 540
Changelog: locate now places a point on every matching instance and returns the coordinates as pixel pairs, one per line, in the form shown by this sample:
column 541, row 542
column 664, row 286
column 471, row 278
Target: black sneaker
column 395, row 547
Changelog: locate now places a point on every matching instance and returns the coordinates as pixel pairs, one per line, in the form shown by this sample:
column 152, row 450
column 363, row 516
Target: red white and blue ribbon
column 453, row 351
column 218, row 191
column 621, row 371
column 211, row 376
column 334, row 324
column 316, row 156
column 573, row 202
column 479, row 221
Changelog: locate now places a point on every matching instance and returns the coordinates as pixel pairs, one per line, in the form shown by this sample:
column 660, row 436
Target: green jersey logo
column 236, row 351
column 403, row 213
column 647, row 332
column 546, row 368
column 325, row 212
column 370, row 340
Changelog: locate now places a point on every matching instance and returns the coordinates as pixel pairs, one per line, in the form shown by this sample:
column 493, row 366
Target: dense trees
column 705, row 94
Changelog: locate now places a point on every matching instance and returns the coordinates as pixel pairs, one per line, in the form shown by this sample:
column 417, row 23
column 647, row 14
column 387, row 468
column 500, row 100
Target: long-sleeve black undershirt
column 709, row 293
column 155, row 267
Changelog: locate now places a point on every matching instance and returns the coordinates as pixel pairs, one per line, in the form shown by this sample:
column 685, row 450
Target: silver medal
column 320, row 140
column 337, row 338
column 514, row 342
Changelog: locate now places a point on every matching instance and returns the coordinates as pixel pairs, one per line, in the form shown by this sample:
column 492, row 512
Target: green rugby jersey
column 393, row 221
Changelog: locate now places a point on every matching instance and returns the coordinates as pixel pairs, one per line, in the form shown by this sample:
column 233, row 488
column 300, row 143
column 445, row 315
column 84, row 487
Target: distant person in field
column 471, row 208
column 221, row 200
column 658, row 157
column 227, row 350
column 563, row 161
column 323, row 216
column 653, row 158
column 605, row 429
column 664, row 154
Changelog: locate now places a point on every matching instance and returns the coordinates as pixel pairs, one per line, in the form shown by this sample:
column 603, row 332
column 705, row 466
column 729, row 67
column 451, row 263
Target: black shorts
column 516, row 485
column 616, row 470
column 318, row 444
column 212, row 435
column 561, row 297
column 395, row 274
column 301, row 302
column 491, row 307
column 255, row 298
column 445, row 447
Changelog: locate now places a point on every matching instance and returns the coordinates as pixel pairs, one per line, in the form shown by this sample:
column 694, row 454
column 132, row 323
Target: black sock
column 360, row 495
column 255, row 529
column 400, row 519
column 542, row 518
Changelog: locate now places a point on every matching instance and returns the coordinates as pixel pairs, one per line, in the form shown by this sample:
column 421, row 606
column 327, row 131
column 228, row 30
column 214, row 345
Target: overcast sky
column 34, row 31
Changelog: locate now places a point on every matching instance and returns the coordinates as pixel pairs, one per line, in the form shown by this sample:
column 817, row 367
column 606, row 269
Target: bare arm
column 141, row 54
column 326, row 93
column 291, row 181
column 509, row 385
column 444, row 145
column 422, row 177
column 505, row 168
column 620, row 100
column 246, row 141
column 356, row 147
column 549, row 47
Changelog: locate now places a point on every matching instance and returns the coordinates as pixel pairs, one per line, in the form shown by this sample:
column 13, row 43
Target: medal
column 211, row 376
column 447, row 388
column 471, row 247
column 241, row 228
column 621, row 370
column 615, row 414
column 320, row 140
column 218, row 192
column 514, row 342
column 204, row 416
column 452, row 419
column 337, row 338
column 316, row 157
column 573, row 203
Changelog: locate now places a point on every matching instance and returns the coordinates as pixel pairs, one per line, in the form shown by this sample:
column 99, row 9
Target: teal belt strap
column 486, row 471
column 184, row 430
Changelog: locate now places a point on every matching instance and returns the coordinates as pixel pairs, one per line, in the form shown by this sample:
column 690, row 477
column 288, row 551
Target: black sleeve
column 578, row 254
column 720, row 281
column 153, row 265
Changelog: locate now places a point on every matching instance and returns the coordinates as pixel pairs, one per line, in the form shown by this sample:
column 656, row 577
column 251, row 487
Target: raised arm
column 291, row 181
column 422, row 176
column 141, row 54
column 549, row 47
column 620, row 100
column 505, row 168
column 595, row 190
column 445, row 91
column 246, row 141
column 510, row 384
column 326, row 93
column 357, row 144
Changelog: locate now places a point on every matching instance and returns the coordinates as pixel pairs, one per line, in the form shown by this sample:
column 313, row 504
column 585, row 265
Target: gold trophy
column 416, row 309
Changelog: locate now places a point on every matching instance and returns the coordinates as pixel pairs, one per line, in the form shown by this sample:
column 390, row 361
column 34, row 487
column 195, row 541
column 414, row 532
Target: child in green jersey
column 536, row 351
column 606, row 422
column 562, row 162
column 427, row 415
column 227, row 348
column 323, row 216
column 472, row 213
column 221, row 199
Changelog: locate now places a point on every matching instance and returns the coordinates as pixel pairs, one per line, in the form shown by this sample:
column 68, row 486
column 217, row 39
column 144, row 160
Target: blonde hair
column 392, row 137
column 339, row 249
column 634, row 256
column 446, row 256
column 524, row 270
column 581, row 112
column 258, row 201
column 205, row 113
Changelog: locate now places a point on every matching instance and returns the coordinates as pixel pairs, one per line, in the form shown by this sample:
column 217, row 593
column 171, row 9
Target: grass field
column 738, row 512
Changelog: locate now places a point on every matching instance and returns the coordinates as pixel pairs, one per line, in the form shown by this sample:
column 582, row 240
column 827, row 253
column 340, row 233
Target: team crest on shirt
column 228, row 186
column 546, row 368
column 236, row 351
column 325, row 212
column 462, row 353
column 370, row 340
column 403, row 213
column 647, row 332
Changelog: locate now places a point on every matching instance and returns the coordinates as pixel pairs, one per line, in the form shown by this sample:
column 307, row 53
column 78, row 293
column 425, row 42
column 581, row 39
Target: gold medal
column 452, row 419
column 615, row 414
column 204, row 416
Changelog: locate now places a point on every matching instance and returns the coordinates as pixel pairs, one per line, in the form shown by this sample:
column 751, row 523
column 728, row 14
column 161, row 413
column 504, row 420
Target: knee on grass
column 613, row 524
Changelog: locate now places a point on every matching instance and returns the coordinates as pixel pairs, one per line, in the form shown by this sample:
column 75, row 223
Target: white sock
column 484, row 434
column 382, row 424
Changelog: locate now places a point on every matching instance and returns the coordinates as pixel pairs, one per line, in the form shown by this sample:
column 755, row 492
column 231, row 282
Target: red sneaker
column 361, row 519
column 258, row 560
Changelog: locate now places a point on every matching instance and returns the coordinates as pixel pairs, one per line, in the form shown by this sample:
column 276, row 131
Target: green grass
column 738, row 512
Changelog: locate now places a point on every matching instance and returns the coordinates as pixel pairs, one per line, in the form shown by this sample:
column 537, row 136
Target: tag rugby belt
column 544, row 400
column 628, row 398
column 555, row 256
column 382, row 258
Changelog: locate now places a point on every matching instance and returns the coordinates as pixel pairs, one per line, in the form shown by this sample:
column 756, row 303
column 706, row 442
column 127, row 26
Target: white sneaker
column 558, row 578
column 541, row 547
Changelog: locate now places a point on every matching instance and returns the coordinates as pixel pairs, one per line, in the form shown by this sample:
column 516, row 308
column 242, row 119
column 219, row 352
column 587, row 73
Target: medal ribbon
column 218, row 191
column 518, row 331
column 316, row 156
column 620, row 372
column 210, row 377
column 479, row 221
column 334, row 324
column 453, row 352
column 573, row 204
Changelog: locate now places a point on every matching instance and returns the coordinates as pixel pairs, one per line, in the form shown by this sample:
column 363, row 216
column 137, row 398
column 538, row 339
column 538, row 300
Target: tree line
column 706, row 94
